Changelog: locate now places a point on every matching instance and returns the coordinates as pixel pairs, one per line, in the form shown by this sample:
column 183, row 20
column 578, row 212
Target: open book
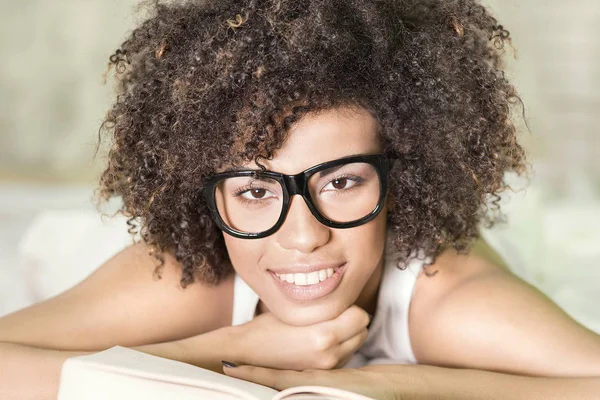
column 121, row 373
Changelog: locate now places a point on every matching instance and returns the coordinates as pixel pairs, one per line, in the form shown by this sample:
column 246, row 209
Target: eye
column 255, row 194
column 341, row 183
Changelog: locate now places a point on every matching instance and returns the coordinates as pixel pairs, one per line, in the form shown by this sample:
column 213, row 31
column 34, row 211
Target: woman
column 292, row 167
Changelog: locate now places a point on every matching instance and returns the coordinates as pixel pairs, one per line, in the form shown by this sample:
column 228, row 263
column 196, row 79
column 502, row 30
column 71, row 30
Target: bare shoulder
column 451, row 270
column 474, row 313
column 123, row 302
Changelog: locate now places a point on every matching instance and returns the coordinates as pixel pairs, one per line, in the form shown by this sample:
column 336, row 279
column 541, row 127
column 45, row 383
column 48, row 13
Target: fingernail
column 228, row 364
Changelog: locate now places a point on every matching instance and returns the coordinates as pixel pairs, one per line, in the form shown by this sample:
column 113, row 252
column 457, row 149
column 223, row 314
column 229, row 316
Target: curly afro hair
column 208, row 83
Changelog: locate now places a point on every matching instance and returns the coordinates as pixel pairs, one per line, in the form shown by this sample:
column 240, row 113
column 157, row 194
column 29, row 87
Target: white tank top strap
column 389, row 338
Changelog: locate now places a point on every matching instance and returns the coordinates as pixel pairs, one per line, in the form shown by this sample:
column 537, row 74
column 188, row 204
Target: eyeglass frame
column 298, row 185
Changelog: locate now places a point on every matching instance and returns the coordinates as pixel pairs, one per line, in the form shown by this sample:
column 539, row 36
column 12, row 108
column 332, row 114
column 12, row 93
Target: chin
column 310, row 315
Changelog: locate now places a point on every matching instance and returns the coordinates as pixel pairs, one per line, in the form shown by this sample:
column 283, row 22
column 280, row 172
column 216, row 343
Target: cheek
column 245, row 254
column 365, row 244
column 241, row 251
column 370, row 234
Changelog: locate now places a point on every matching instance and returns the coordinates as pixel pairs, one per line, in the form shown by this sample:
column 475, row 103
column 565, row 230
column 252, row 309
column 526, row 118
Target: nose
column 301, row 231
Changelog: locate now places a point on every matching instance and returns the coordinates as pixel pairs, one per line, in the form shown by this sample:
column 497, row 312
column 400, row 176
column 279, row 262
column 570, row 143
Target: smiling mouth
column 302, row 289
column 312, row 278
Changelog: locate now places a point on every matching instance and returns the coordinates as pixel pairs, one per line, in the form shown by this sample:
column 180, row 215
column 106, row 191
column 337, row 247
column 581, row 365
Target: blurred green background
column 52, row 100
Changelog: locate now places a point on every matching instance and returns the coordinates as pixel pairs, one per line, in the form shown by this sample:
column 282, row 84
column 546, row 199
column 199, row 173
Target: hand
column 375, row 381
column 268, row 342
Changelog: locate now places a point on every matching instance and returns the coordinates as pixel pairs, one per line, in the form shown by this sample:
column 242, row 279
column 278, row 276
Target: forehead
column 324, row 136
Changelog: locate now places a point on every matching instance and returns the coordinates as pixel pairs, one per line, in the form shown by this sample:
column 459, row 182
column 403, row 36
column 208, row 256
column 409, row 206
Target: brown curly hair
column 203, row 84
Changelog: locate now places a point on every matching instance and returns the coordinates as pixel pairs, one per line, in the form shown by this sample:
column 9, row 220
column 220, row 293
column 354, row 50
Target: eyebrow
column 330, row 170
column 321, row 174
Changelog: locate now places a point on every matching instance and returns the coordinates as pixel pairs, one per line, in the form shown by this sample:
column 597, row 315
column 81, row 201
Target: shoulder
column 444, row 303
column 450, row 274
column 473, row 313
column 123, row 303
column 452, row 270
column 204, row 303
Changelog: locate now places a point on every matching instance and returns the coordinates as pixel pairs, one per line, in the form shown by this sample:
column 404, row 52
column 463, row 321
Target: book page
column 318, row 393
column 82, row 382
column 124, row 361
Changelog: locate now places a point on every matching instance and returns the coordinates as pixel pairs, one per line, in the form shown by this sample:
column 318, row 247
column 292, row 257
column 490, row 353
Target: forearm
column 34, row 373
column 206, row 350
column 30, row 373
column 454, row 384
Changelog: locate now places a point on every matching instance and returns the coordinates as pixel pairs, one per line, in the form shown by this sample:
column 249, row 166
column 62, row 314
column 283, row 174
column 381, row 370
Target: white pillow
column 62, row 247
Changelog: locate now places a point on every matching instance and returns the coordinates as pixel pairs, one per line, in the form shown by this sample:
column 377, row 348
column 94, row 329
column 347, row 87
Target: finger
column 274, row 378
column 354, row 343
column 349, row 323
column 349, row 347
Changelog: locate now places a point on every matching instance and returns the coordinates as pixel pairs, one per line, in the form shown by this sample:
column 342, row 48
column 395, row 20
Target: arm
column 463, row 384
column 424, row 382
column 30, row 373
column 473, row 314
column 120, row 304
column 34, row 373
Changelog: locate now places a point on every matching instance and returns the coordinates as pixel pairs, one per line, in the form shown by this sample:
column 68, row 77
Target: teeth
column 322, row 275
column 312, row 278
column 300, row 279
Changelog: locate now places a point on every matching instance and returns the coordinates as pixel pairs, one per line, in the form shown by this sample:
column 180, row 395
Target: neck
column 367, row 299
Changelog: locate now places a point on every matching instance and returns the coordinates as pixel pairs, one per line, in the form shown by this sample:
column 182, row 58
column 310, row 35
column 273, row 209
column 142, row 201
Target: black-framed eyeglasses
column 341, row 193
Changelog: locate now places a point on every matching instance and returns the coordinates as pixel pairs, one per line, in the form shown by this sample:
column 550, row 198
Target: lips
column 307, row 292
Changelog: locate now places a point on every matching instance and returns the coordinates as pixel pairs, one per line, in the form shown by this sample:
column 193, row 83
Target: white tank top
column 388, row 341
